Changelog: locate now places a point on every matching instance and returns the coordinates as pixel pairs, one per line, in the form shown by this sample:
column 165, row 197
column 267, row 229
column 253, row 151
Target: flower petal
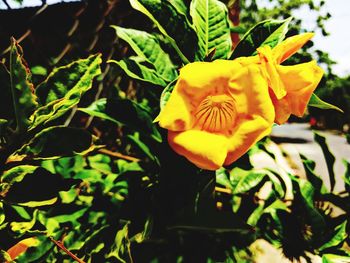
column 200, row 79
column 270, row 72
column 290, row 46
column 176, row 115
column 300, row 81
column 250, row 91
column 205, row 150
column 247, row 134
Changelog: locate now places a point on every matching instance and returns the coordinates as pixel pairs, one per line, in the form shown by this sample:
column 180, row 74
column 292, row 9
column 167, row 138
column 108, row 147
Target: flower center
column 216, row 113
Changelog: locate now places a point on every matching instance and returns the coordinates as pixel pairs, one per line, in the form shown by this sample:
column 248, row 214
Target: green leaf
column 135, row 138
column 316, row 102
column 180, row 6
column 210, row 20
column 23, row 97
column 268, row 32
column 140, row 69
column 126, row 112
column 338, row 237
column 171, row 23
column 221, row 176
column 71, row 217
column 330, row 159
column 4, row 256
column 147, row 47
column 165, row 96
column 243, row 180
column 37, row 252
column 98, row 109
column 314, row 179
column 54, row 142
column 332, row 258
column 17, row 173
column 307, row 191
column 23, row 227
column 64, row 87
column 121, row 247
column 39, row 70
column 2, row 214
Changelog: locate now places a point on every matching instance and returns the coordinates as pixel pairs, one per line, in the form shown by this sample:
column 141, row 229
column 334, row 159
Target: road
column 297, row 138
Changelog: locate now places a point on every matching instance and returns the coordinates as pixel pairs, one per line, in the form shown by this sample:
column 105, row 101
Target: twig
column 61, row 246
column 7, row 5
column 119, row 155
column 223, row 190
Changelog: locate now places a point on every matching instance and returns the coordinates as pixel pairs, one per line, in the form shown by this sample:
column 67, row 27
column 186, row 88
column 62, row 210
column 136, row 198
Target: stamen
column 216, row 113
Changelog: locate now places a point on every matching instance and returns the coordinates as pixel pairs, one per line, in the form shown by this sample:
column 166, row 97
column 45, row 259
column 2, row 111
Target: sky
column 337, row 44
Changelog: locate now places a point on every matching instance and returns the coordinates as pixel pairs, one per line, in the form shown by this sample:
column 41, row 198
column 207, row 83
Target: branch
column 119, row 155
column 61, row 246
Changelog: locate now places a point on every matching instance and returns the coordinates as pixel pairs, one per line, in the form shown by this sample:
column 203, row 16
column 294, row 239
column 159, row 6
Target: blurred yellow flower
column 219, row 109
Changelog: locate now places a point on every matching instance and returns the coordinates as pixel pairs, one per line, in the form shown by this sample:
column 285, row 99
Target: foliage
column 111, row 189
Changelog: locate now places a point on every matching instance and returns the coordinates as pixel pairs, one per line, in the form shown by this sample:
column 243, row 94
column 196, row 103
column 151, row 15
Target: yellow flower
column 291, row 86
column 219, row 109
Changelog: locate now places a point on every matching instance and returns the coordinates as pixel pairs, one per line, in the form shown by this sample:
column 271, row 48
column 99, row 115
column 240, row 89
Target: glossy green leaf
column 140, row 69
column 64, row 87
column 210, row 20
column 330, row 159
column 55, row 142
column 339, row 236
column 23, row 96
column 268, row 32
column 171, row 23
column 148, row 47
column 316, row 102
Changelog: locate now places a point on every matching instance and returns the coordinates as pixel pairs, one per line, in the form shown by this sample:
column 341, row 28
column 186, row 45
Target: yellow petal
column 290, row 46
column 176, row 115
column 269, row 69
column 205, row 150
column 247, row 134
column 250, row 91
column 300, row 81
column 200, row 79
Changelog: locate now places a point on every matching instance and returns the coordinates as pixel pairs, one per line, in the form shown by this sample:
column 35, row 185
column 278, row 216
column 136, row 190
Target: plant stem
column 61, row 246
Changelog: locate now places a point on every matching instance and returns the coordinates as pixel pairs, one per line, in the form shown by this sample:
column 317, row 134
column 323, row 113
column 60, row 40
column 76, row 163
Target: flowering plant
column 161, row 167
column 219, row 109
